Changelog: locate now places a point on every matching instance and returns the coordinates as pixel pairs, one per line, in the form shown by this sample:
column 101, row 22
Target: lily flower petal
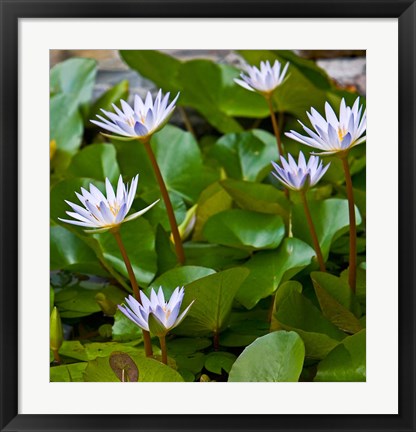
column 334, row 134
column 263, row 80
column 140, row 121
column 300, row 175
column 105, row 212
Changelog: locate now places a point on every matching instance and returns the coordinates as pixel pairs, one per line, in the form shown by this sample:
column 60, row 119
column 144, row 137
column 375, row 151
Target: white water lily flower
column 333, row 134
column 301, row 175
column 105, row 212
column 263, row 80
column 166, row 313
column 140, row 121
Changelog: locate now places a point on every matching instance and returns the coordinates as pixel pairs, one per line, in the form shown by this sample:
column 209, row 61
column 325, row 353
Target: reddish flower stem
column 314, row 236
column 136, row 290
column 162, row 340
column 165, row 195
column 276, row 131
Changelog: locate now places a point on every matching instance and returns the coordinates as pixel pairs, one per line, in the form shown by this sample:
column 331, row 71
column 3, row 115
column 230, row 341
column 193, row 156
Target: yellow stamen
column 167, row 311
column 341, row 133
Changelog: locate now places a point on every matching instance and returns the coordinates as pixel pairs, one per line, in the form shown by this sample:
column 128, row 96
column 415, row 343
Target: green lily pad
column 150, row 370
column 213, row 295
column 276, row 357
column 257, row 197
column 187, row 346
column 245, row 229
column 178, row 277
column 216, row 362
column 90, row 351
column 67, row 373
column 269, row 268
column 297, row 313
column 96, row 161
column 69, row 252
column 66, row 129
column 330, row 218
column 246, row 155
column 346, row 362
column 213, row 256
column 214, row 199
column 124, row 330
column 75, row 77
column 77, row 300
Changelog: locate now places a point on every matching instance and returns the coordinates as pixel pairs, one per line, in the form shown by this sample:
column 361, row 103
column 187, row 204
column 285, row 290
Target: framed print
column 207, row 216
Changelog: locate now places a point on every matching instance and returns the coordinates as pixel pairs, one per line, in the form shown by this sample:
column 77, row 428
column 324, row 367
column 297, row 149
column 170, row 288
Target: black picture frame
column 11, row 11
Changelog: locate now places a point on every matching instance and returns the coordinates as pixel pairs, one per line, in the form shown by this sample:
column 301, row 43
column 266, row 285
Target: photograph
column 207, row 215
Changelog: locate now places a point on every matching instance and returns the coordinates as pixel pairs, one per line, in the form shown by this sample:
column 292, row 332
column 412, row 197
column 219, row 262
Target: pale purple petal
column 140, row 129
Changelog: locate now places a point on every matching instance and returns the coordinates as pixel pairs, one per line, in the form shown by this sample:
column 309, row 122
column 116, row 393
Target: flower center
column 167, row 311
column 341, row 133
column 114, row 209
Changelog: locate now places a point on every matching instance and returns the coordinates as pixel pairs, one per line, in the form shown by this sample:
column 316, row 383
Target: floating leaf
column 246, row 155
column 213, row 295
column 330, row 218
column 96, row 161
column 297, row 313
column 269, row 268
column 178, row 277
column 125, row 330
column 66, row 129
column 90, row 351
column 257, row 197
column 150, row 370
column 124, row 367
column 213, row 256
column 245, row 229
column 191, row 362
column 69, row 252
column 67, row 373
column 339, row 289
column 77, row 300
column 153, row 64
column 245, row 327
column 338, row 314
column 282, row 292
column 214, row 199
column 276, row 357
column 74, row 77
column 346, row 362
column 216, row 362
column 187, row 346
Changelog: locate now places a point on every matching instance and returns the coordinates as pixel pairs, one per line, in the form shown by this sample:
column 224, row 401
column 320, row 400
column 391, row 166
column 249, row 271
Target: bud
column 204, row 378
column 52, row 149
column 187, row 226
column 56, row 333
column 108, row 307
